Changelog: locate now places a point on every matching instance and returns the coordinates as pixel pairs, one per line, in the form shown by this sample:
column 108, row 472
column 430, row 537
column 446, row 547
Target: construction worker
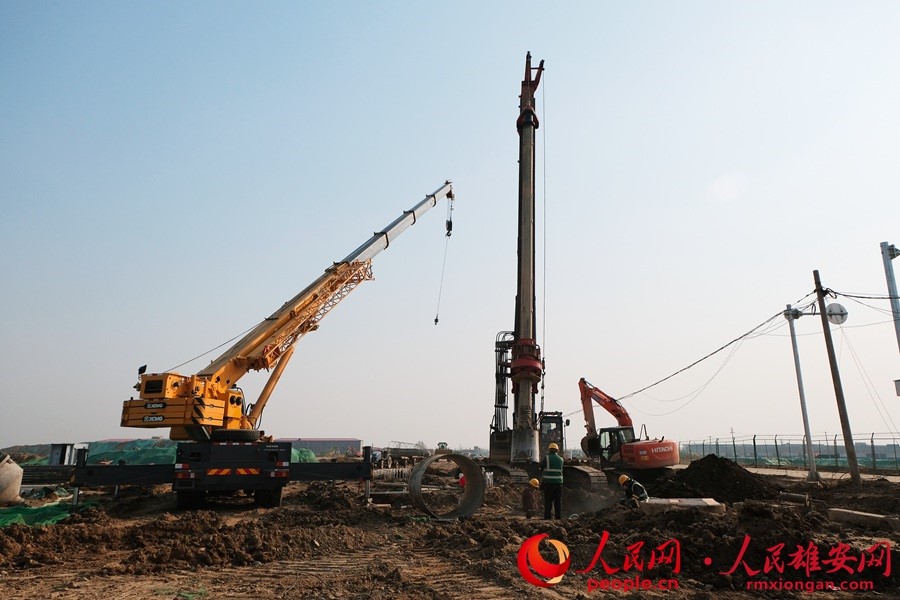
column 530, row 499
column 552, row 481
column 635, row 493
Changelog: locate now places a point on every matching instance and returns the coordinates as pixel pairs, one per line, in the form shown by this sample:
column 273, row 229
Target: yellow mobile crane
column 224, row 450
column 209, row 405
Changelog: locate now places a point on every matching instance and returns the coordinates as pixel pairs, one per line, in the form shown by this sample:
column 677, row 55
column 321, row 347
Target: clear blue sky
column 170, row 173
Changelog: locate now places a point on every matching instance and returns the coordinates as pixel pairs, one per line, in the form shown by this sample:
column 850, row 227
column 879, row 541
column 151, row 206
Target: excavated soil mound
column 325, row 495
column 200, row 538
column 337, row 552
column 717, row 478
column 717, row 540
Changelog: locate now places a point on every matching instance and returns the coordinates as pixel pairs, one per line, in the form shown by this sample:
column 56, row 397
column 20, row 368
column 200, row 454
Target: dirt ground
column 325, row 543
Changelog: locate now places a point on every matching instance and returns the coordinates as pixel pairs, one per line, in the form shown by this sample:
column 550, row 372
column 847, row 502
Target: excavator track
column 583, row 477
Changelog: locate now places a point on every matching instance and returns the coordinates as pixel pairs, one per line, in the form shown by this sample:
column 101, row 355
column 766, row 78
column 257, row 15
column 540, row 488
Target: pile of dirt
column 325, row 495
column 710, row 544
column 186, row 541
column 323, row 544
column 717, row 478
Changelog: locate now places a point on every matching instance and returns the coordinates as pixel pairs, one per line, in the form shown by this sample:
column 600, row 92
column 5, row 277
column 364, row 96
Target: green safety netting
column 36, row 515
column 145, row 452
column 302, row 455
column 133, row 452
column 137, row 452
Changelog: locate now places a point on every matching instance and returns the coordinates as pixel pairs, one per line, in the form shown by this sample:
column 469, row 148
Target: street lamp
column 888, row 253
column 792, row 314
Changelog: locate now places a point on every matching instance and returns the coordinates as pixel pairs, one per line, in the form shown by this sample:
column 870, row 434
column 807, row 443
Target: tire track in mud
column 422, row 570
column 446, row 578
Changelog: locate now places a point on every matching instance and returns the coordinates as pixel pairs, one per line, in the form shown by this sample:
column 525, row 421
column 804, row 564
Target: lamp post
column 888, row 253
column 791, row 314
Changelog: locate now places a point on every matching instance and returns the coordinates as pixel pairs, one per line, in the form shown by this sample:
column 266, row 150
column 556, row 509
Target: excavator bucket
column 10, row 481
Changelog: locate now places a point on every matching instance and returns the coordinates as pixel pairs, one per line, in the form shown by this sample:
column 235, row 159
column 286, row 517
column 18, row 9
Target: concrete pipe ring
column 473, row 493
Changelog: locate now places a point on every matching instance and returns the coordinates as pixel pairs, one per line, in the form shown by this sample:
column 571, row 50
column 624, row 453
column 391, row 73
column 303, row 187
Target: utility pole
column 791, row 314
column 888, row 253
column 838, row 388
column 526, row 367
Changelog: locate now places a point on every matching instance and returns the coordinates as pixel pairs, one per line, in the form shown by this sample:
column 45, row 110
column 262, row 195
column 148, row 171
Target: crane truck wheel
column 268, row 498
column 190, row 499
column 235, row 435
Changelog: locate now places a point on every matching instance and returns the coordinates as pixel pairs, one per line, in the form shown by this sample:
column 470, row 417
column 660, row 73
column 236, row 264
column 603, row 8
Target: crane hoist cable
column 449, row 233
column 544, row 244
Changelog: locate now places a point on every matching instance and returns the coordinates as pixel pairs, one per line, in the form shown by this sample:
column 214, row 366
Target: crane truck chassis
column 208, row 468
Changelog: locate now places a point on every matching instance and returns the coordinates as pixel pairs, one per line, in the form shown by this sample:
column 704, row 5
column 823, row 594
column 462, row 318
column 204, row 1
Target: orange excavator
column 617, row 448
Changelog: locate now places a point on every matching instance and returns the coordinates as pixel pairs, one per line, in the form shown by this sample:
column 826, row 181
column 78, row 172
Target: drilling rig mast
column 525, row 369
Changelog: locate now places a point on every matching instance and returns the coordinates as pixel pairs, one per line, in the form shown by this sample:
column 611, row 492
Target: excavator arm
column 610, row 404
column 195, row 405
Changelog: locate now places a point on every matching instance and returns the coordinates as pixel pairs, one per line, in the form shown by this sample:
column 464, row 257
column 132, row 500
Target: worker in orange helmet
column 530, row 498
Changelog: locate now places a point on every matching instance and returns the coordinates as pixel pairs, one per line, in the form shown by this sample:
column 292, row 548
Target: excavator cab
column 610, row 443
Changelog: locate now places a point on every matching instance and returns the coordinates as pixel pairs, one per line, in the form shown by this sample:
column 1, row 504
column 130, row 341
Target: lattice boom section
column 331, row 295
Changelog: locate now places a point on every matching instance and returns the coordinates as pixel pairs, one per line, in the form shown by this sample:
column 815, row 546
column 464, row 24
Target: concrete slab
column 865, row 519
column 704, row 504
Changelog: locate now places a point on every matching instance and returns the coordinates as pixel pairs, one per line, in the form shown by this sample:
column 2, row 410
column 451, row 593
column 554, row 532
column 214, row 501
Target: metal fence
column 875, row 453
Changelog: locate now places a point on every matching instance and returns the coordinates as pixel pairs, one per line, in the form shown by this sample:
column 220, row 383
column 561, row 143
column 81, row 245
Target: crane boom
column 194, row 405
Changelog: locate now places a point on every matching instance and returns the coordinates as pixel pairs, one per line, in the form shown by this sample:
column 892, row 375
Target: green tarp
column 36, row 515
column 133, row 452
column 136, row 452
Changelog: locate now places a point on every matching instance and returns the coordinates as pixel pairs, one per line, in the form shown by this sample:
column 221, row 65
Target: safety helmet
column 535, row 483
column 623, row 479
column 553, row 446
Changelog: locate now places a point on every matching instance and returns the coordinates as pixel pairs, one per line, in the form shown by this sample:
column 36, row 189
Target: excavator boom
column 610, row 404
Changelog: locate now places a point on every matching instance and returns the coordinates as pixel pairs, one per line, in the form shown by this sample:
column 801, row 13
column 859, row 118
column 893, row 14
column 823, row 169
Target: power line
column 698, row 361
column 870, row 387
column 749, row 335
column 865, row 296
column 699, row 390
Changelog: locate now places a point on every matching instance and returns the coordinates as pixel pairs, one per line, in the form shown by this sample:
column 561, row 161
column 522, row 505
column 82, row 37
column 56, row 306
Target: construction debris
column 324, row 543
column 10, row 481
